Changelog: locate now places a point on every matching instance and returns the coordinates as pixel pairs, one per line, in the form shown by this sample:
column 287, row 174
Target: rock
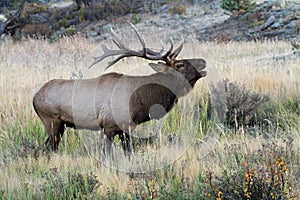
column 108, row 26
column 269, row 22
column 161, row 9
column 62, row 5
column 40, row 18
column 164, row 15
column 73, row 22
column 279, row 4
column 93, row 33
column 293, row 24
column 203, row 31
column 279, row 19
column 176, row 17
column 2, row 18
column 276, row 25
column 290, row 25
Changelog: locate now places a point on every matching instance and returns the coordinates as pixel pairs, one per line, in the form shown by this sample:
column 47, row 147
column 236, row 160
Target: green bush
column 13, row 4
column 282, row 112
column 135, row 19
column 179, row 10
column 262, row 174
column 77, row 186
column 236, row 105
column 237, row 7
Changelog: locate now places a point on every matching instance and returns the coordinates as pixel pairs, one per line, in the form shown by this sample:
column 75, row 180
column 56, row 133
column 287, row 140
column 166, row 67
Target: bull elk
column 116, row 103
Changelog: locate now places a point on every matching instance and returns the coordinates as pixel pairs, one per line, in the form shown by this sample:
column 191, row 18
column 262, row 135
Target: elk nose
column 198, row 63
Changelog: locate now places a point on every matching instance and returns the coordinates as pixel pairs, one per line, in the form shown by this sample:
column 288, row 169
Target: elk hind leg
column 107, row 140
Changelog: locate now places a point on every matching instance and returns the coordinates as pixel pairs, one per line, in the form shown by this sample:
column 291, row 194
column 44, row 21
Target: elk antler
column 146, row 53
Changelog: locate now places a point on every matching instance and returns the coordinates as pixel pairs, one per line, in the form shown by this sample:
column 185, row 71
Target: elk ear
column 159, row 67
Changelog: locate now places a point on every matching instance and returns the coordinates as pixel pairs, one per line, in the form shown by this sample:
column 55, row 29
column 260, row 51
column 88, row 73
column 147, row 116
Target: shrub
column 77, row 186
column 107, row 9
column 135, row 19
column 35, row 30
column 236, row 105
column 237, row 7
column 270, row 178
column 12, row 4
column 180, row 10
column 282, row 112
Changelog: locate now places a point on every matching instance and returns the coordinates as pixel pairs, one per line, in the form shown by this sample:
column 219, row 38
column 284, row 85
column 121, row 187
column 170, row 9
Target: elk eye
column 179, row 66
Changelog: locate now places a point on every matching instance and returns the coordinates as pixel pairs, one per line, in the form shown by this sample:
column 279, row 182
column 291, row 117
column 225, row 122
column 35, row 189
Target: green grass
column 244, row 163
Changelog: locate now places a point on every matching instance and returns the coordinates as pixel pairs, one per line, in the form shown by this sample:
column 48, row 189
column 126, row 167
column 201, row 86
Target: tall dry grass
column 26, row 65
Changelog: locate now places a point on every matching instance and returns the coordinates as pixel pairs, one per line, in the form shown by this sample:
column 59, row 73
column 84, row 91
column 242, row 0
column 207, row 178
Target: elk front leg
column 55, row 130
column 125, row 139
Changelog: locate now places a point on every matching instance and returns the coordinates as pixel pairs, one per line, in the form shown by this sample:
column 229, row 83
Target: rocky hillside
column 270, row 19
column 202, row 18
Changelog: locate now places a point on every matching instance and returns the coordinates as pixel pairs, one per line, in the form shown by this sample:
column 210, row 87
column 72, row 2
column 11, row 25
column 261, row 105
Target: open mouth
column 203, row 73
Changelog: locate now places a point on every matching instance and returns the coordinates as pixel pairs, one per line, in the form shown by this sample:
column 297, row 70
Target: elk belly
column 84, row 109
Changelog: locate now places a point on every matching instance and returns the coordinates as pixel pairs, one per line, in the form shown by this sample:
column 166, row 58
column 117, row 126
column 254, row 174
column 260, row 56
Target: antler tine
column 155, row 53
column 164, row 57
column 118, row 41
column 106, row 53
column 140, row 37
column 115, row 61
column 170, row 49
column 162, row 46
column 178, row 50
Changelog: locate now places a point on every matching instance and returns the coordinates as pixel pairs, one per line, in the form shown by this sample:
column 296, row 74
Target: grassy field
column 191, row 154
